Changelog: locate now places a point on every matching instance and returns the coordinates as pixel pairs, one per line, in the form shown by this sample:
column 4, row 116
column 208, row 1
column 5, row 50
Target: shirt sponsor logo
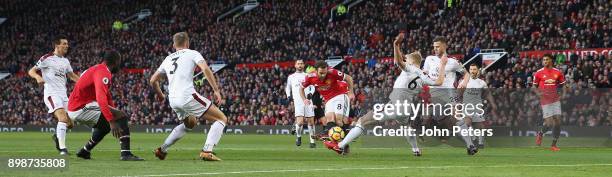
column 105, row 80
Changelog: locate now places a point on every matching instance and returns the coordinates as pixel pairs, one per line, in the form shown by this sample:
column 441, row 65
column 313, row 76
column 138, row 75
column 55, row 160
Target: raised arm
column 398, row 56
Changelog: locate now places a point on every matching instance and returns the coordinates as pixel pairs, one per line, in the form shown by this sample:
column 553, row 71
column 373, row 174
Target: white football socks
column 214, row 135
column 413, row 142
column 298, row 130
column 311, row 131
column 467, row 139
column 60, row 133
column 353, row 134
column 177, row 133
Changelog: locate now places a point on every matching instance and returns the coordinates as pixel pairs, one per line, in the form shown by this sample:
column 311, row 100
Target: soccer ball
column 336, row 134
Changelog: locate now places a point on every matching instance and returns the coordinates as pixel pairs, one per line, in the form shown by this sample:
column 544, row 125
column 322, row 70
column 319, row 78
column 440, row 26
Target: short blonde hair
column 415, row 57
column 180, row 39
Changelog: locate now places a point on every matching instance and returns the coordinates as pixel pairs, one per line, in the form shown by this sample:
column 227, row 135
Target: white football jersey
column 294, row 84
column 179, row 67
column 411, row 78
column 432, row 65
column 473, row 91
column 54, row 69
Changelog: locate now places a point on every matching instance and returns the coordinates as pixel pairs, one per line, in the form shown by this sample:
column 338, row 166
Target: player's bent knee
column 468, row 121
column 310, row 121
column 299, row 120
column 102, row 126
column 223, row 119
column 61, row 115
column 339, row 118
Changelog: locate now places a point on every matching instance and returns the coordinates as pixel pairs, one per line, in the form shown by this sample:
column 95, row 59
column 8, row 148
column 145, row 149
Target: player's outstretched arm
column 154, row 82
column 212, row 80
column 33, row 72
column 74, row 77
column 398, row 56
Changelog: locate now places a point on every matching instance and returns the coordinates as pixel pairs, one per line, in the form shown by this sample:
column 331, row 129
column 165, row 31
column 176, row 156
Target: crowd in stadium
column 288, row 30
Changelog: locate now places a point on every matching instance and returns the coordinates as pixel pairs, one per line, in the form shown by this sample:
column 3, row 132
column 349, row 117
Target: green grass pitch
column 276, row 155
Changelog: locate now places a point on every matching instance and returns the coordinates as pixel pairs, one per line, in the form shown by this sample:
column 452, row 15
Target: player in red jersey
column 91, row 99
column 337, row 96
column 548, row 79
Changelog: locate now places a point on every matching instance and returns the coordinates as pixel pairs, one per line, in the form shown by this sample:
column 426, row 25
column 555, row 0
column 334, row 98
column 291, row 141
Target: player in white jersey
column 472, row 94
column 185, row 101
column 407, row 86
column 446, row 93
column 54, row 68
column 292, row 89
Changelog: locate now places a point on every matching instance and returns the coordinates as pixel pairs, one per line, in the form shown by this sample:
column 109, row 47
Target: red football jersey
column 330, row 86
column 94, row 85
column 547, row 81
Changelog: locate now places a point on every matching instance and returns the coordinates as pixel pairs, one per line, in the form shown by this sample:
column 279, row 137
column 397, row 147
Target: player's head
column 180, row 40
column 112, row 58
column 321, row 66
column 414, row 58
column 548, row 60
column 60, row 45
column 439, row 45
column 299, row 65
column 474, row 70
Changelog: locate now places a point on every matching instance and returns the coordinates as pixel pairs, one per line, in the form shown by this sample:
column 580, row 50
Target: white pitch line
column 373, row 168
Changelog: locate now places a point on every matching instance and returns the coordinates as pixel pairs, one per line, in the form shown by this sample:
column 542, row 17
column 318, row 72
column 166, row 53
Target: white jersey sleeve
column 41, row 63
column 68, row 67
column 421, row 75
column 161, row 67
column 412, row 77
column 455, row 66
column 197, row 57
column 288, row 86
column 426, row 80
column 294, row 81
